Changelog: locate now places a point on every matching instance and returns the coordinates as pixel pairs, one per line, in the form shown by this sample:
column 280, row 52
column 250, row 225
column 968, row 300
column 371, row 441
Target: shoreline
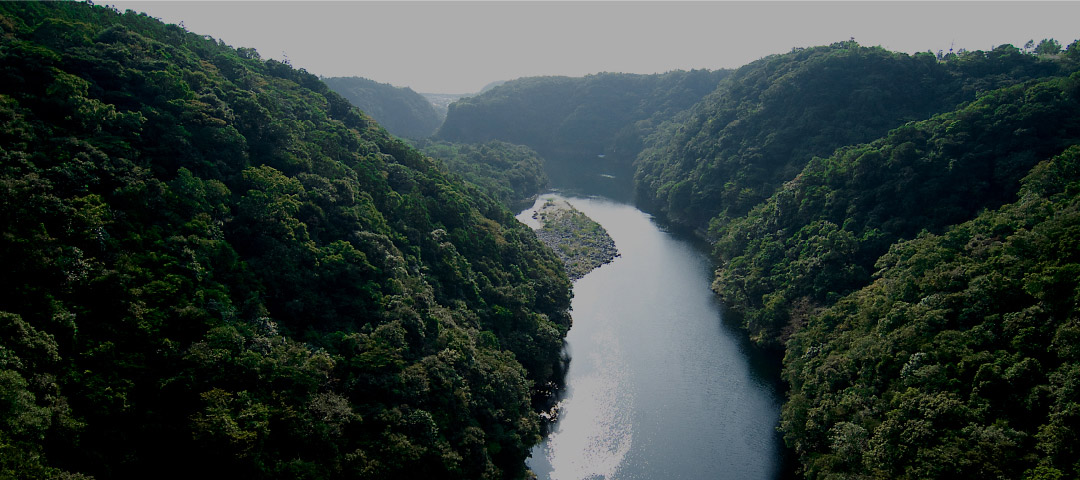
column 582, row 244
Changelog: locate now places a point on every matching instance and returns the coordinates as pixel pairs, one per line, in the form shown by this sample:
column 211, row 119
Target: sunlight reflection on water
column 657, row 387
column 594, row 436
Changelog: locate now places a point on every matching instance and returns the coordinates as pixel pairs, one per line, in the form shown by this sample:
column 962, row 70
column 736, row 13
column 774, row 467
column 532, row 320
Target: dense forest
column 925, row 323
column 208, row 255
column 569, row 119
column 214, row 265
column 820, row 234
column 769, row 118
column 399, row 110
column 961, row 358
column 511, row 174
column 918, row 281
column 901, row 226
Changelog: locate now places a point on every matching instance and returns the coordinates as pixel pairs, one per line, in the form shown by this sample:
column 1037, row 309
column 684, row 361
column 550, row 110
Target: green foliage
column 916, row 344
column 1048, row 46
column 817, row 238
column 767, row 120
column 958, row 360
column 210, row 256
column 564, row 117
column 511, row 174
column 401, row 111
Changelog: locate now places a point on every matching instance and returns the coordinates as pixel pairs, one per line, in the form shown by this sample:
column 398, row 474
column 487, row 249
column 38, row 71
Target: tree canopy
column 601, row 114
column 211, row 256
column 765, row 121
column 900, row 226
column 960, row 359
column 214, row 265
column 817, row 238
column 512, row 174
column 401, row 111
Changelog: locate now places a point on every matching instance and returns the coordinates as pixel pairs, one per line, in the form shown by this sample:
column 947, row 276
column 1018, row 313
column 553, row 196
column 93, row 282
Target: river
column 658, row 386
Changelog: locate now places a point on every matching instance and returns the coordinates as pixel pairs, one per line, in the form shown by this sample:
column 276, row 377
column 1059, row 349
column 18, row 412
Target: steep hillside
column 512, row 174
column 923, row 288
column 769, row 118
column 818, row 237
column 214, row 266
column 961, row 359
column 401, row 111
column 578, row 118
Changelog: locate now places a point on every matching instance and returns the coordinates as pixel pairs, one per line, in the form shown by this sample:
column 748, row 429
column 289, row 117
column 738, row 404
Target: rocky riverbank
column 581, row 243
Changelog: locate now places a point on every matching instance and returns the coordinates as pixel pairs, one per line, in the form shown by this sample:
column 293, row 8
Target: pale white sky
column 458, row 47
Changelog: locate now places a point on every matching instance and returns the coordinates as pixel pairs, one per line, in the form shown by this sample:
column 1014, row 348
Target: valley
column 840, row 261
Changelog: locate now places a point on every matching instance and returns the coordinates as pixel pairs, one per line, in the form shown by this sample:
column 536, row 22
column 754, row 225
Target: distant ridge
column 400, row 110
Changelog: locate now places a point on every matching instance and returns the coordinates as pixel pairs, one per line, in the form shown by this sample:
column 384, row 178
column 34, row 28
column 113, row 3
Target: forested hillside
column 602, row 114
column 214, row 266
column 923, row 286
column 818, row 237
column 512, row 174
column 765, row 121
column 401, row 111
column 961, row 359
column 902, row 226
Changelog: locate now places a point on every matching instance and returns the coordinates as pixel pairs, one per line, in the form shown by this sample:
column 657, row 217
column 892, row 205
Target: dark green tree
column 210, row 256
column 1048, row 46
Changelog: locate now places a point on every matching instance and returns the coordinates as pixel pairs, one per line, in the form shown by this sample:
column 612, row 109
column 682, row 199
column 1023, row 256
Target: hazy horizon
column 459, row 47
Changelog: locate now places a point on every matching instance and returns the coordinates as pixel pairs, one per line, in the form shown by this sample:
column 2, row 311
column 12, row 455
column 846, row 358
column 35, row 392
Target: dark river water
column 658, row 387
